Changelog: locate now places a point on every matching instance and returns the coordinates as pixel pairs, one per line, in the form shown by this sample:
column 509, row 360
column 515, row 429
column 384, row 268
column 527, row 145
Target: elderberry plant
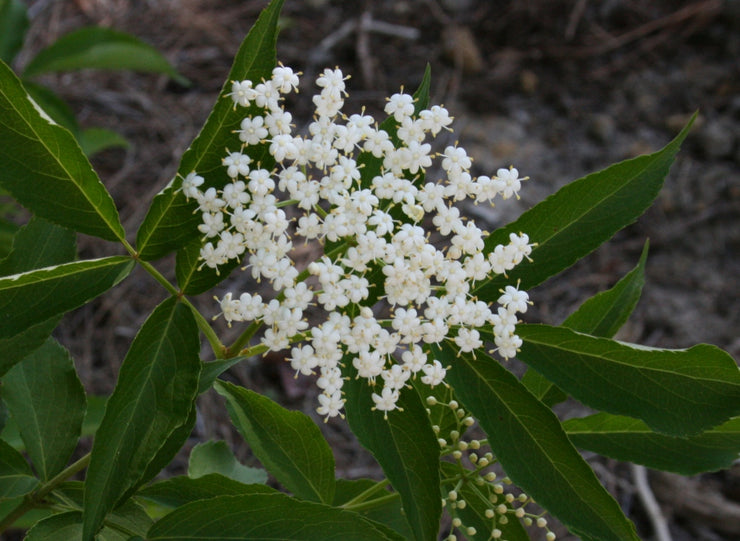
column 407, row 322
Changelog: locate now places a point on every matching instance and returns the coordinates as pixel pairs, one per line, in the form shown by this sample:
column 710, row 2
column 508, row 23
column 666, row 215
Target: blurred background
column 556, row 88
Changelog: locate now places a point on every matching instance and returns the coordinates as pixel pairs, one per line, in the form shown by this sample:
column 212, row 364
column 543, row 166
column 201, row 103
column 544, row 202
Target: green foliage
column 405, row 447
column 533, row 448
column 675, row 410
column 154, row 395
column 216, row 457
column 266, row 516
column 287, row 443
column 101, row 48
column 33, row 390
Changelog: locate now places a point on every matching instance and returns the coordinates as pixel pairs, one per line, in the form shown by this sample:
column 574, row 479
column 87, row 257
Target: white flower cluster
column 368, row 226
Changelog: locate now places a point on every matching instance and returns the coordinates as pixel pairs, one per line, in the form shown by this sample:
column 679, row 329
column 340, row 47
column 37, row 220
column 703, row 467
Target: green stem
column 244, row 337
column 365, row 494
column 216, row 346
column 35, row 498
column 203, row 325
column 372, row 504
column 158, row 277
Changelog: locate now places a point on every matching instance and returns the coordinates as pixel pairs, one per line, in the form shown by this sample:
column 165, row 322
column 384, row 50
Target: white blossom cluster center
column 361, row 192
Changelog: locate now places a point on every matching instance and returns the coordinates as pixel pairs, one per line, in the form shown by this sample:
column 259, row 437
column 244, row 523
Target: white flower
column 386, row 400
column 252, row 130
column 284, row 79
column 400, row 106
column 468, row 340
column 331, row 404
column 434, row 373
column 366, row 212
column 190, row 185
column 242, row 93
column 512, row 182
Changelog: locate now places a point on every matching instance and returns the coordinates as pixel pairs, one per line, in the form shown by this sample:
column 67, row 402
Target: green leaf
column 60, row 527
column 605, row 313
column 30, row 297
column 170, row 223
column 211, row 370
column 37, row 244
column 265, row 516
column 581, row 216
column 47, row 401
column 94, row 140
column 45, row 169
column 216, row 457
column 154, row 396
column 405, row 447
column 7, row 231
column 528, row 440
column 631, row 440
column 478, row 500
column 178, row 491
column 167, row 451
column 13, row 27
column 678, row 392
column 53, row 105
column 287, row 443
column 16, row 477
column 102, row 48
column 129, row 518
column 601, row 315
column 390, row 512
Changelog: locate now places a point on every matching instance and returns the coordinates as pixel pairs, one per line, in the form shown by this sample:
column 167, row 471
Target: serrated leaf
column 102, row 48
column 60, row 527
column 37, row 244
column 528, row 440
column 178, row 491
column 287, row 443
column 678, row 392
column 16, row 477
column 631, row 440
column 581, row 216
column 53, row 105
column 216, row 457
column 405, row 447
column 13, row 27
column 211, row 370
column 33, row 296
column 601, row 315
column 605, row 313
column 154, row 396
column 265, row 516
column 170, row 223
column 47, row 401
column 171, row 446
column 45, row 169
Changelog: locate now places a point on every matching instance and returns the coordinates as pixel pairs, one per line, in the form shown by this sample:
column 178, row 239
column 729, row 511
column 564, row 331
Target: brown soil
column 556, row 88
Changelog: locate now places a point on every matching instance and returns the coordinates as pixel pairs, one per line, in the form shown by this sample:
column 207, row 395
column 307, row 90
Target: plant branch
column 32, row 500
